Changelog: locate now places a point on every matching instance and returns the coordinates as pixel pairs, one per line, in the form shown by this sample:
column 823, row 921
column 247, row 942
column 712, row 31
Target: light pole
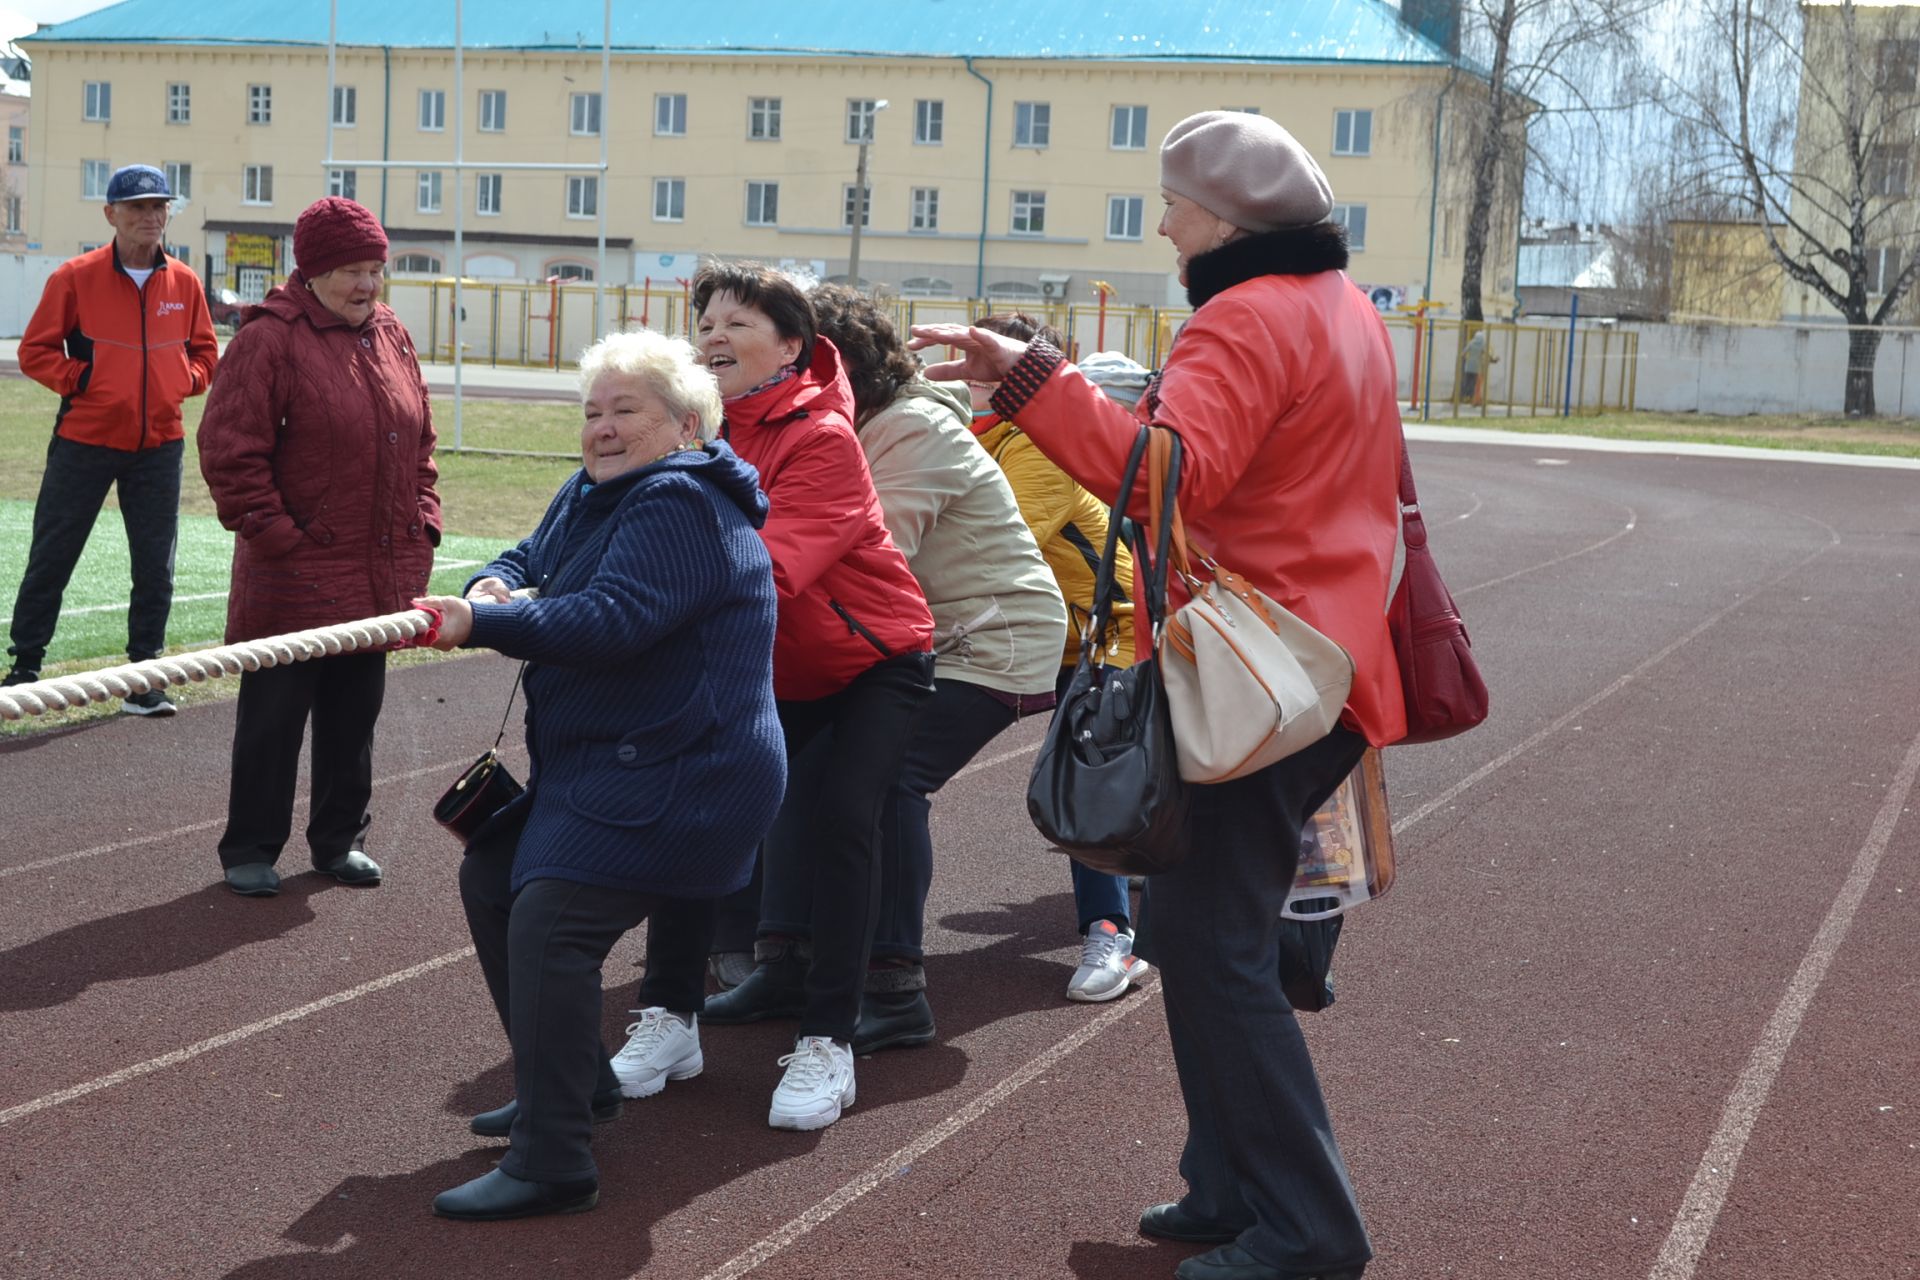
column 860, row 194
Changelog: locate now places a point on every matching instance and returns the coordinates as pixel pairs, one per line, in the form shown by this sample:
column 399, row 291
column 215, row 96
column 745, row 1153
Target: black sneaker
column 19, row 675
column 151, row 703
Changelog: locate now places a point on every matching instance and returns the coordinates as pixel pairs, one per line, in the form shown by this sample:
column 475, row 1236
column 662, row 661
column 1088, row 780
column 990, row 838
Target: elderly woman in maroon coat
column 317, row 443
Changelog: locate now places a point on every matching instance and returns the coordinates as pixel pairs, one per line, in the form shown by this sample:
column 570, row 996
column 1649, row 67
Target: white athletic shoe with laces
column 1107, row 964
column 660, row 1047
column 818, row 1083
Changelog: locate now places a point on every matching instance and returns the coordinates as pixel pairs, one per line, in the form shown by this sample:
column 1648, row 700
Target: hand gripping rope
column 389, row 631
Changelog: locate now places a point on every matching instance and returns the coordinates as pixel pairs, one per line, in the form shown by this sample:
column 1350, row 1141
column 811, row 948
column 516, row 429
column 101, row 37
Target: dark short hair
column 878, row 364
column 769, row 291
column 1022, row 327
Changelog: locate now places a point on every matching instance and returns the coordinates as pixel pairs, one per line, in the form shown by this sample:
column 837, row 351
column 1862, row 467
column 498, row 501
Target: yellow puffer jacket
column 1070, row 525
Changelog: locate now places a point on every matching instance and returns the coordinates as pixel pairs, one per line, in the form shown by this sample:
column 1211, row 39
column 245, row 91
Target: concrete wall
column 22, row 277
column 1727, row 370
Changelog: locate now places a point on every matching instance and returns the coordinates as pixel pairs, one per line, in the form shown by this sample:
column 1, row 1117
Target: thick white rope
column 61, row 692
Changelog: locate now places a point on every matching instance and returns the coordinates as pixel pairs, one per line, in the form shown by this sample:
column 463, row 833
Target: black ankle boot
column 498, row 1123
column 777, row 988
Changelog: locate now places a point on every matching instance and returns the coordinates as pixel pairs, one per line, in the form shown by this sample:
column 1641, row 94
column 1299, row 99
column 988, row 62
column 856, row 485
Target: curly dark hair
column 878, row 362
column 1022, row 327
column 757, row 285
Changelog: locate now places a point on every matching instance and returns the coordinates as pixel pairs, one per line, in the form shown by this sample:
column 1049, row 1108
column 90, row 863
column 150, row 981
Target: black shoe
column 495, row 1196
column 775, row 989
column 892, row 1020
column 254, row 880
column 1171, row 1222
column 498, row 1123
column 352, row 867
column 19, row 675
column 1231, row 1262
column 151, row 703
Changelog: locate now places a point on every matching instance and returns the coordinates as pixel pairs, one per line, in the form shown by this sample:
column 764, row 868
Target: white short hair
column 669, row 367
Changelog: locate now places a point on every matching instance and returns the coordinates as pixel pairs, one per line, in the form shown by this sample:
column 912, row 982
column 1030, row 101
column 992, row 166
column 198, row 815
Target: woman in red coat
column 1282, row 390
column 317, row 444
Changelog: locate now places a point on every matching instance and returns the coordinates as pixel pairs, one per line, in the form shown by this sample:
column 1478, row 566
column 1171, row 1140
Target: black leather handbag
column 484, row 788
column 1106, row 786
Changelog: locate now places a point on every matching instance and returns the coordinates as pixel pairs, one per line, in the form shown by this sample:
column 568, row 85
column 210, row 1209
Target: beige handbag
column 1247, row 682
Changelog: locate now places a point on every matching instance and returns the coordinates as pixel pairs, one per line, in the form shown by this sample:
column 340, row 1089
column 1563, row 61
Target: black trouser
column 824, row 874
column 540, row 952
column 1260, row 1153
column 71, row 493
column 343, row 695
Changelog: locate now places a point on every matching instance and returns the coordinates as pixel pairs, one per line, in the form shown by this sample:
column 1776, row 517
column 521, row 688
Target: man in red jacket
column 123, row 335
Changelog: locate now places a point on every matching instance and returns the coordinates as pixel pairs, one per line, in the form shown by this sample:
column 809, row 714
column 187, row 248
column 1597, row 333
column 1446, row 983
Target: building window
column 346, row 106
column 930, row 122
column 669, row 115
column 1129, row 129
column 583, row 115
column 1354, row 218
column 850, row 198
column 1883, row 268
column 428, row 192
column 860, row 114
column 926, row 209
column 181, row 253
column 433, row 110
column 1898, row 65
column 13, row 215
column 344, row 183
column 486, row 194
column 1353, row 133
column 1126, row 217
column 926, row 287
column 493, row 111
column 259, row 104
column 16, row 144
column 418, row 264
column 179, row 179
column 1029, row 213
column 93, row 179
column 1032, row 124
column 256, row 184
column 179, row 104
column 1011, row 289
column 98, row 104
column 569, row 271
column 669, row 199
column 1245, row 111
column 1888, row 169
column 583, row 195
column 763, row 204
column 763, row 119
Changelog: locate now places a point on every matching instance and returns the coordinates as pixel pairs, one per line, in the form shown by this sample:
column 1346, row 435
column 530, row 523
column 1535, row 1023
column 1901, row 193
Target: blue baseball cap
column 138, row 182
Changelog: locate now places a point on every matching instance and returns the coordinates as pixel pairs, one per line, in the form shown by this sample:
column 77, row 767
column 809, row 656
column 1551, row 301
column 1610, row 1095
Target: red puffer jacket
column 317, row 444
column 847, row 598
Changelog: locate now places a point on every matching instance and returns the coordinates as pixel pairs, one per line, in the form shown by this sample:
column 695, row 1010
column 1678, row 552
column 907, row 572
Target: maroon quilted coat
column 317, row 443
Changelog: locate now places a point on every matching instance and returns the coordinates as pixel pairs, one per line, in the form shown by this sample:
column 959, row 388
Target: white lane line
column 1707, row 1193
column 121, row 607
column 1633, row 521
column 178, row 1056
column 1593, row 444
column 887, row 1168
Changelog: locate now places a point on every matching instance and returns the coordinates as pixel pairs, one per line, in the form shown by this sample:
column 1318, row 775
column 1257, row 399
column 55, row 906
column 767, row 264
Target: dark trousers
column 71, row 493
column 342, row 694
column 956, row 722
column 541, row 951
column 1096, row 895
column 823, row 876
column 1260, row 1151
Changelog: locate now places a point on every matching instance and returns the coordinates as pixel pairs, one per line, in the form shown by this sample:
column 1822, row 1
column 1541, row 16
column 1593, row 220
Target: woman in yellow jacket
column 1070, row 525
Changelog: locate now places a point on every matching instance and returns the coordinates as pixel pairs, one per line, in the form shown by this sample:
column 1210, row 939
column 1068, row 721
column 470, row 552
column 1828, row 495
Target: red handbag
column 1445, row 693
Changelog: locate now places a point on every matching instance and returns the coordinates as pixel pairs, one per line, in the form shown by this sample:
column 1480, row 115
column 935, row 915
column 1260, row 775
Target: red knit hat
column 333, row 232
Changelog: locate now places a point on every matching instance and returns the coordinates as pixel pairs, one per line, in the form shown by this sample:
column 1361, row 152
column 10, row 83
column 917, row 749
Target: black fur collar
column 1295, row 251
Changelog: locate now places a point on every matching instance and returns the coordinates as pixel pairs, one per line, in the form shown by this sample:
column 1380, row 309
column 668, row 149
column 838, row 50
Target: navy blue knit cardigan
column 657, row 757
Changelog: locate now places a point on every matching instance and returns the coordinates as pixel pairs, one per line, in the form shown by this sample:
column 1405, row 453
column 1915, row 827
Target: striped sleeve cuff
column 1023, row 381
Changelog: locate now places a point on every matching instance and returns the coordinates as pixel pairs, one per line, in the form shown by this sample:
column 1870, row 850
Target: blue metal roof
column 1314, row 31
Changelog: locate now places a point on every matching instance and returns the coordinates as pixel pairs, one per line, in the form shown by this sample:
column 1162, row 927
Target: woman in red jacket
column 1281, row 387
column 317, row 444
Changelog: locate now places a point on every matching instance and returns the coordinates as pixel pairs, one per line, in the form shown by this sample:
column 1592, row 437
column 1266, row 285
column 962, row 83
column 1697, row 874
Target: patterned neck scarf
column 786, row 372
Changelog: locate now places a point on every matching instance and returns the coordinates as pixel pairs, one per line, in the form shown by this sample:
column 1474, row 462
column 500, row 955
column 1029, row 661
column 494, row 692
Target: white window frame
column 763, row 119
column 487, row 189
column 1883, row 267
column 493, row 111
column 571, row 272
column 179, row 178
column 259, row 104
column 929, row 122
column 16, row 144
column 1033, row 125
column 1026, row 204
column 583, row 195
column 669, row 115
column 96, row 101
column 1134, row 119
column 1344, row 214
column 1133, row 210
column 256, row 184
column 675, row 191
column 761, row 194
column 860, row 116
column 432, row 116
column 1353, row 131
column 179, row 102
column 94, row 176
column 344, row 183
column 429, row 191
column 434, row 264
column 346, row 106
column 1884, row 165
column 923, row 210
column 13, row 215
column 584, row 119
column 847, row 190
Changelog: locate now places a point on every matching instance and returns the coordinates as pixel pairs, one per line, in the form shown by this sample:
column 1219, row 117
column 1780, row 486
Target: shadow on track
column 1148, row 1260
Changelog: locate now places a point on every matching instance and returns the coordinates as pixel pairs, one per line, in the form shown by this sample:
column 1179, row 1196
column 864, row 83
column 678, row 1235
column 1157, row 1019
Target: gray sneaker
column 151, row 703
column 1107, row 964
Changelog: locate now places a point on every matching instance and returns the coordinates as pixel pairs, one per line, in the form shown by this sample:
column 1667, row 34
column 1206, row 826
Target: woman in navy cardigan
column 657, row 760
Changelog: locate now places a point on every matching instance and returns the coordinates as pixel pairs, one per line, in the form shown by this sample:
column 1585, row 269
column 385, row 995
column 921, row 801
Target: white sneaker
column 1107, row 964
column 660, row 1047
column 818, row 1083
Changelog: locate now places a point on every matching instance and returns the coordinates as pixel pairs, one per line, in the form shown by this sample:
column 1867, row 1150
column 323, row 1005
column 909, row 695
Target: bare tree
column 1806, row 115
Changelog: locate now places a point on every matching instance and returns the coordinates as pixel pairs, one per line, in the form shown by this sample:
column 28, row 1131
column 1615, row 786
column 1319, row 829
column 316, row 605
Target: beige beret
column 1246, row 169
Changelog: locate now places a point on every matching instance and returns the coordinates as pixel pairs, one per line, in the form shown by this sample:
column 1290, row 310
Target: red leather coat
column 847, row 598
column 317, row 444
